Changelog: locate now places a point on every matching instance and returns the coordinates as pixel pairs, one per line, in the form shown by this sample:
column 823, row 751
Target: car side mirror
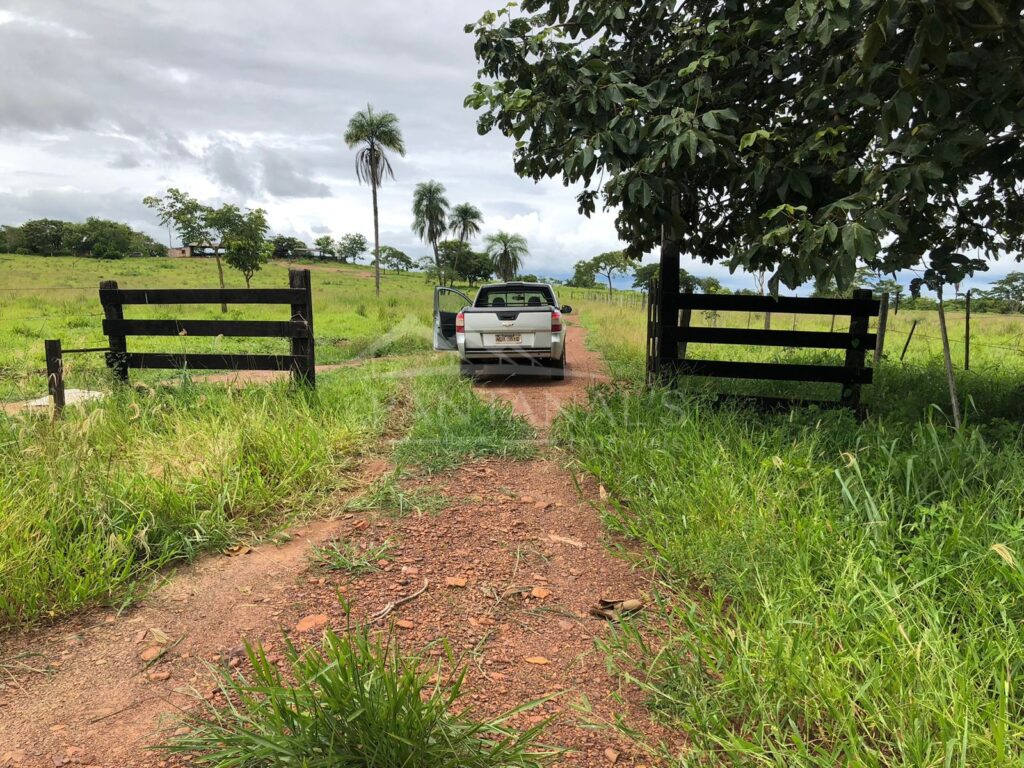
column 566, row 310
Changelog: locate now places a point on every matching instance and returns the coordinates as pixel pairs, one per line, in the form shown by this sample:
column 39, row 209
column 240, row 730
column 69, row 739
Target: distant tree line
column 94, row 238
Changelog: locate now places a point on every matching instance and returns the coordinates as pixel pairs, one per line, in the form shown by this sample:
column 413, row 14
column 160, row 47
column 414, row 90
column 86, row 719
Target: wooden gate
column 669, row 330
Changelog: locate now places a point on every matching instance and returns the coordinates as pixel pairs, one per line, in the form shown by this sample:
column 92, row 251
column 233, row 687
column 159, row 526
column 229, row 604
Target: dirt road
column 512, row 565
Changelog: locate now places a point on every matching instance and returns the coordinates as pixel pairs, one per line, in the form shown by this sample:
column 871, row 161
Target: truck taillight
column 556, row 321
column 460, row 322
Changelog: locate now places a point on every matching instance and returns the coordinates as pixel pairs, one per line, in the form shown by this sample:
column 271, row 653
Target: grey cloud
column 231, row 168
column 126, row 160
column 281, row 179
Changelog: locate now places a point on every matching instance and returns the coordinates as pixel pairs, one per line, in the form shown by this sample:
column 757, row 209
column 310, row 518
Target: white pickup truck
column 507, row 325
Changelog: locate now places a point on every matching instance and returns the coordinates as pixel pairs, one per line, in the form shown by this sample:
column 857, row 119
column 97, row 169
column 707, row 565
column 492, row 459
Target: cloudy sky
column 105, row 101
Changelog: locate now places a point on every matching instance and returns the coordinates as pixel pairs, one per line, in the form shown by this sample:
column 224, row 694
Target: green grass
column 349, row 556
column 143, row 478
column 838, row 593
column 353, row 702
column 451, row 424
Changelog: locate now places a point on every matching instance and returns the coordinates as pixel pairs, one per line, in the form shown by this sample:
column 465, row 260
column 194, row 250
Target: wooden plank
column 252, row 328
column 304, row 368
column 849, row 394
column 791, row 304
column 210, row 362
column 55, row 374
column 758, row 337
column 113, row 311
column 772, row 371
column 201, row 296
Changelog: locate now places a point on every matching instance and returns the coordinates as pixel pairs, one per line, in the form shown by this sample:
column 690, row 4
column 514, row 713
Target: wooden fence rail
column 669, row 333
column 299, row 329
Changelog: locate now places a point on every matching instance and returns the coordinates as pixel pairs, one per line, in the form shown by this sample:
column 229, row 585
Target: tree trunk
column 376, row 241
column 220, row 274
column 953, row 397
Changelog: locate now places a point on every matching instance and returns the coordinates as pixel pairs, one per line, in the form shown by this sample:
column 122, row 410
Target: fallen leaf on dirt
column 540, row 593
column 565, row 540
column 602, row 492
column 612, row 755
column 238, row 549
column 359, row 525
column 456, row 581
column 537, row 660
column 613, row 610
column 159, row 635
column 405, row 624
column 313, row 621
column 151, row 652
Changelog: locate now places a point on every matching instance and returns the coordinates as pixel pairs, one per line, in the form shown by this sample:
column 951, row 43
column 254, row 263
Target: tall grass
column 142, row 478
column 450, row 423
column 353, row 702
column 859, row 589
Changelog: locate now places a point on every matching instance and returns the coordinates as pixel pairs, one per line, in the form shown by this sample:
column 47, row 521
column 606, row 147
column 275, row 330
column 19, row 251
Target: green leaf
column 710, row 120
column 793, row 15
column 870, row 43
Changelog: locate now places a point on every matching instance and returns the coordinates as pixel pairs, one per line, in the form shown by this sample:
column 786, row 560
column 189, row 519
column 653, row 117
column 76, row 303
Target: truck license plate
column 508, row 338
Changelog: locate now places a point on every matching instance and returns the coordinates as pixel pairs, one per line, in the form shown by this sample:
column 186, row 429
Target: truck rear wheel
column 557, row 368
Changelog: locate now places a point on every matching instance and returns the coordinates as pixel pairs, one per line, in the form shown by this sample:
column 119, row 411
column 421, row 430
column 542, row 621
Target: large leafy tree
column 610, row 263
column 1010, row 290
column 507, row 251
column 393, row 258
column 376, row 134
column 196, row 223
column 244, row 240
column 325, row 246
column 351, row 246
column 430, row 215
column 465, row 221
column 794, row 137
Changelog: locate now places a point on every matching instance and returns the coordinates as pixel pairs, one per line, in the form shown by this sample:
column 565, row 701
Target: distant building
column 195, row 251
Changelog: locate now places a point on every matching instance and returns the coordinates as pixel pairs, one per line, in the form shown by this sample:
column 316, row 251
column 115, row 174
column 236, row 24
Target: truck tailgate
column 488, row 327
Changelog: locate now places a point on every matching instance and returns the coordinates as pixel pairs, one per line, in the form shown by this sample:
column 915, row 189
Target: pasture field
column 168, row 468
column 854, row 591
column 835, row 592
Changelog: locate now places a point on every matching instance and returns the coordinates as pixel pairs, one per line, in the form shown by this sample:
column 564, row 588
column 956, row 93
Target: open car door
column 448, row 302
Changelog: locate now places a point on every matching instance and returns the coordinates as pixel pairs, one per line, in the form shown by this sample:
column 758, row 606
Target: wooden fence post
column 685, row 317
column 855, row 353
column 967, row 335
column 55, row 375
column 883, row 317
column 668, row 311
column 913, row 327
column 117, row 356
column 303, row 369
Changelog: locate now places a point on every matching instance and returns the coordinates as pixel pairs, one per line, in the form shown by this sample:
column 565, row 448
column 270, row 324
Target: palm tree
column 465, row 221
column 374, row 132
column 508, row 251
column 430, row 214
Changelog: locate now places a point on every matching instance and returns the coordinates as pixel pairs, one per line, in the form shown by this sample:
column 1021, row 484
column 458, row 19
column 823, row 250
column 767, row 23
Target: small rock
column 456, row 581
column 140, row 636
column 611, row 755
column 313, row 621
column 540, row 593
column 151, row 652
column 405, row 624
column 183, row 731
column 160, row 675
column 540, row 660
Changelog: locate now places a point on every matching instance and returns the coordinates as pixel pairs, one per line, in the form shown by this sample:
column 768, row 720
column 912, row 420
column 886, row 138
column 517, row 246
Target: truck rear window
column 505, row 297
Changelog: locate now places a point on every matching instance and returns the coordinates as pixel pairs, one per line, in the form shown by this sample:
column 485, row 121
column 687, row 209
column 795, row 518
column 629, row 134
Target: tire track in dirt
column 513, row 562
